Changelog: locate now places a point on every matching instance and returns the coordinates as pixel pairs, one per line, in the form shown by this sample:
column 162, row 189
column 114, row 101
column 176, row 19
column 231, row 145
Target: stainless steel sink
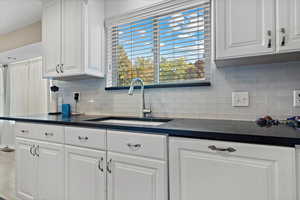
column 131, row 121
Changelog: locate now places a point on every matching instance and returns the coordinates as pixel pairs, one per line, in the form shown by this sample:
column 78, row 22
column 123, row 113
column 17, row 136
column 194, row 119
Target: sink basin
column 132, row 121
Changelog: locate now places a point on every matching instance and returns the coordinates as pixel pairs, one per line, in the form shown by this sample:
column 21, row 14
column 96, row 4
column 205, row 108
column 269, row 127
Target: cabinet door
column 250, row 172
column 26, row 167
column 244, row 28
column 51, row 37
column 288, row 25
column 50, row 171
column 73, row 20
column 85, row 174
column 136, row 178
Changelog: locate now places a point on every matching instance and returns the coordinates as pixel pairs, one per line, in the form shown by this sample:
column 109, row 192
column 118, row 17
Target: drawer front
column 139, row 144
column 85, row 137
column 49, row 133
column 25, row 130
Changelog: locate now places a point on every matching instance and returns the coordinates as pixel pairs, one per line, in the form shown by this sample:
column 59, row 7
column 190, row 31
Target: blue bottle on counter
column 66, row 110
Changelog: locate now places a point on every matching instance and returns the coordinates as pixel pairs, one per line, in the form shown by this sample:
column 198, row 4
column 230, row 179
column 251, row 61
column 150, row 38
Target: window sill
column 167, row 85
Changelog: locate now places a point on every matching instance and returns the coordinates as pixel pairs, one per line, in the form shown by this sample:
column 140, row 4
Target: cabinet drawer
column 49, row 133
column 140, row 144
column 25, row 130
column 92, row 138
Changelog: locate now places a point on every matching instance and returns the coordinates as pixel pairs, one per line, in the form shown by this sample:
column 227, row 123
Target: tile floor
column 7, row 175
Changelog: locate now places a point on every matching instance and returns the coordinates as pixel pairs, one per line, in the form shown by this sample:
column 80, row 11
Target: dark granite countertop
column 225, row 130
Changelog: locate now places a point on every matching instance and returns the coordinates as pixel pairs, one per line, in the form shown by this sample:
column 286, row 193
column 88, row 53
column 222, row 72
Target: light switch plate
column 296, row 98
column 240, row 99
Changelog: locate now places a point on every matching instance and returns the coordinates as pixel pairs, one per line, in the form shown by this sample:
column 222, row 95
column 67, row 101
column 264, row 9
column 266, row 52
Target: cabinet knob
column 229, row 149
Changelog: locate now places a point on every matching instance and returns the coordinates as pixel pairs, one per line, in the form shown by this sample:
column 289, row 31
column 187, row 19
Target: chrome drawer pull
column 100, row 167
column 229, row 149
column 134, row 147
column 49, row 134
column 37, row 151
column 108, row 167
column 83, row 138
column 31, row 148
column 24, row 131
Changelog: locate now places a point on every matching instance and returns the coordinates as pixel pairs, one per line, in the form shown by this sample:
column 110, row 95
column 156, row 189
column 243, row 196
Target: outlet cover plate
column 240, row 99
column 296, row 98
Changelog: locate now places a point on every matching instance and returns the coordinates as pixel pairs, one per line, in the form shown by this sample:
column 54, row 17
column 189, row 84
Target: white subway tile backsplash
column 270, row 90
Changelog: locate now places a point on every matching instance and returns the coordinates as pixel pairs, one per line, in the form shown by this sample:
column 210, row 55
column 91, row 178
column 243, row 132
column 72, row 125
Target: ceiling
column 15, row 14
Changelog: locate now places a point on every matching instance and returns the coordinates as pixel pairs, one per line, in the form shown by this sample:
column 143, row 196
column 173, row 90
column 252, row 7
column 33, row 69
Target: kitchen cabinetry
column 85, row 174
column 132, row 177
column 254, row 28
column 40, row 170
column 25, row 170
column 288, row 37
column 227, row 170
column 73, row 38
column 85, row 167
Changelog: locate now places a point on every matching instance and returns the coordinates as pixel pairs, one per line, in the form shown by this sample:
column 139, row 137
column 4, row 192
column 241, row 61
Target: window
column 173, row 47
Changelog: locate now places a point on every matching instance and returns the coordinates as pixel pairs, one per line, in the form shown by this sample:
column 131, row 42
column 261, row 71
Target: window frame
column 157, row 10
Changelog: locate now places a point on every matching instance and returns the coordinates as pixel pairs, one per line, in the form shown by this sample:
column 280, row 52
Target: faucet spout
column 144, row 111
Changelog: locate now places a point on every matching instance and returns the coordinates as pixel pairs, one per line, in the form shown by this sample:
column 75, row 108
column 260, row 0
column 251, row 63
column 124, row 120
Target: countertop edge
column 208, row 135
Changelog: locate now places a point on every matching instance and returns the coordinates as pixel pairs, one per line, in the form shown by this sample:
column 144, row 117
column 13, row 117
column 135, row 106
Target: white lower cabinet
column 26, row 168
column 216, row 170
column 40, row 170
column 85, row 174
column 136, row 178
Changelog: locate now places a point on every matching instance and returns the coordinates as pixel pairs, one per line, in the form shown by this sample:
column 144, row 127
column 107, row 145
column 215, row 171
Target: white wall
column 270, row 88
column 117, row 7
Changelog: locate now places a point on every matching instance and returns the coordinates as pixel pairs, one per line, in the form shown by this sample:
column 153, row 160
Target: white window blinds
column 172, row 47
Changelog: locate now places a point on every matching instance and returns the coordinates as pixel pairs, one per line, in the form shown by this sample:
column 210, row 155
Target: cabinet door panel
column 244, row 28
column 51, row 37
column 85, row 174
column 288, row 25
column 136, row 178
column 26, row 167
column 50, row 171
column 73, row 20
column 251, row 172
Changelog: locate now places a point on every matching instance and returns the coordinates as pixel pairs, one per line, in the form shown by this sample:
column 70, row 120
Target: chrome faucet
column 144, row 111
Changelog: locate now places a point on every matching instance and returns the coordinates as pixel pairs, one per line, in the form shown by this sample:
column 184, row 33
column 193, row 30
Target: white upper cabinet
column 288, row 37
column 247, row 28
column 73, row 38
column 51, row 37
column 244, row 28
column 216, row 170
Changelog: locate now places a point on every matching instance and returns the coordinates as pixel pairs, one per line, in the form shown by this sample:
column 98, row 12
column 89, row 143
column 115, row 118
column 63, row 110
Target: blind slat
column 168, row 47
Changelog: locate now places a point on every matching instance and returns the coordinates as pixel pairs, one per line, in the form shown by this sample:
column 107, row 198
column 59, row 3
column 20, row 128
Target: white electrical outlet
column 296, row 98
column 240, row 99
